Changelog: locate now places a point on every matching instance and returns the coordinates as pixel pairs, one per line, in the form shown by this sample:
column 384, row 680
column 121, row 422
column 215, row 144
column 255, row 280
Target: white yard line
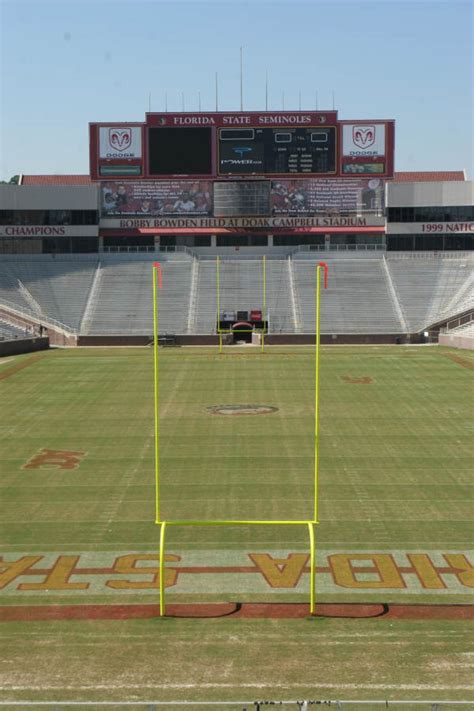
column 343, row 546
column 111, row 519
column 252, row 685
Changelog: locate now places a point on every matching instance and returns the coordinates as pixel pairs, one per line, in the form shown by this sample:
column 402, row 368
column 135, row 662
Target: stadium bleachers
column 427, row 287
column 8, row 331
column 10, row 289
column 357, row 300
column 205, row 312
column 111, row 294
column 282, row 316
column 52, row 288
column 241, row 287
column 123, row 298
column 466, row 329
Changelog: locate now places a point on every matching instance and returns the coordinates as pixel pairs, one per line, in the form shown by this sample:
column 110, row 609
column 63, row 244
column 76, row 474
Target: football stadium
column 236, row 445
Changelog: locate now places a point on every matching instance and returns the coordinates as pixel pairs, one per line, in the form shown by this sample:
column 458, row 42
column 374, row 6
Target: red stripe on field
column 24, row 613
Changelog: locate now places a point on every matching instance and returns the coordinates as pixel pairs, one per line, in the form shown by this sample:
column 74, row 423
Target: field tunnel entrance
column 242, row 331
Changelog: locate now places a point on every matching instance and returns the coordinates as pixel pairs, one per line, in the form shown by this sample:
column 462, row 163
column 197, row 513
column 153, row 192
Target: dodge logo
column 120, row 138
column 363, row 136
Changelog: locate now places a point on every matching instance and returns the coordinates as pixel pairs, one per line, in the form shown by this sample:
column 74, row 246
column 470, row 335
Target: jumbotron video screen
column 180, row 151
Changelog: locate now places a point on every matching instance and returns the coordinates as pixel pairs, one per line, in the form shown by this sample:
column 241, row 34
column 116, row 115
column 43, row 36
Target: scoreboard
column 246, row 145
column 277, row 151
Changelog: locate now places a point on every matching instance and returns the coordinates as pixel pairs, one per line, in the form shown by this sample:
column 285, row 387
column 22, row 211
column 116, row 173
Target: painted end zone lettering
column 128, row 564
column 281, row 572
column 381, row 565
column 105, row 573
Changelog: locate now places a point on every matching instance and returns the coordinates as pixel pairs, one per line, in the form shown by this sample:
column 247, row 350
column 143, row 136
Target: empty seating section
column 463, row 298
column 10, row 290
column 280, row 309
column 57, row 289
column 360, row 297
column 467, row 329
column 7, row 332
column 123, row 300
column 206, row 301
column 241, row 285
column 426, row 286
column 241, row 289
column 357, row 299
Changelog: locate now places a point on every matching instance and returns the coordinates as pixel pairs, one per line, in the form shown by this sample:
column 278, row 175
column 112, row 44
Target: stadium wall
column 456, row 341
column 23, row 345
column 293, row 339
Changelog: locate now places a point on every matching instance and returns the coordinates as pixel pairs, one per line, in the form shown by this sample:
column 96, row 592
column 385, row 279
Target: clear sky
column 69, row 62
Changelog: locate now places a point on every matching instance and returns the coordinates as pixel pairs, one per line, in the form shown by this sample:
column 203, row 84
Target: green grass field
column 395, row 511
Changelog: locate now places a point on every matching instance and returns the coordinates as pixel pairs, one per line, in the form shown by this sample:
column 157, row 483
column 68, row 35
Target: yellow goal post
column 309, row 524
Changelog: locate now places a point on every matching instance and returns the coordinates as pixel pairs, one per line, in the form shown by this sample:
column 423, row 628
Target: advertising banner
column 49, row 231
column 363, row 139
column 282, row 222
column 332, row 195
column 241, row 119
column 156, row 197
column 418, row 228
column 120, row 142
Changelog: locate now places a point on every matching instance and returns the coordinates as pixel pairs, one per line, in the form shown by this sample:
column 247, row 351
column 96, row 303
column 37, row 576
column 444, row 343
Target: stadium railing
column 33, row 316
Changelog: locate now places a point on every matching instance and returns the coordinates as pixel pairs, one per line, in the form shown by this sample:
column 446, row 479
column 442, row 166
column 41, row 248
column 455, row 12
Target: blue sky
column 69, row 62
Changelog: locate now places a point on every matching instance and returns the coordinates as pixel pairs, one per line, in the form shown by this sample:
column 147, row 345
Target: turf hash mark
column 357, row 380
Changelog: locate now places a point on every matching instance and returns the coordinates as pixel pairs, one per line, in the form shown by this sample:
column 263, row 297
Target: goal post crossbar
column 312, row 549
column 310, row 524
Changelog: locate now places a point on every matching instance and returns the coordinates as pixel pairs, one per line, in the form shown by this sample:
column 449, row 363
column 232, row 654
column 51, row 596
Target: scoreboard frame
column 107, row 168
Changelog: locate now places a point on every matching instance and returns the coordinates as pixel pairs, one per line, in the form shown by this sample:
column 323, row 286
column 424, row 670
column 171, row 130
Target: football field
column 236, row 442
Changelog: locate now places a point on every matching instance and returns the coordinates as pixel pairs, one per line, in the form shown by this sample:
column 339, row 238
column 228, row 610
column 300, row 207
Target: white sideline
column 301, row 704
column 254, row 685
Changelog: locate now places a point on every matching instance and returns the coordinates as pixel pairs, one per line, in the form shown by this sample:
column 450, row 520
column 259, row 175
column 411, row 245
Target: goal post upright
column 264, row 306
column 309, row 524
column 218, row 301
column 157, row 283
column 319, row 266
